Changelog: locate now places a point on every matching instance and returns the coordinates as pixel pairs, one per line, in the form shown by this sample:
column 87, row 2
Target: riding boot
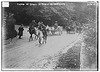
column 19, row 37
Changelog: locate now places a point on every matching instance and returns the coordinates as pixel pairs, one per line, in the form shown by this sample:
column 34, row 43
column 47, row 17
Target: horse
column 32, row 30
column 59, row 29
column 69, row 29
column 52, row 30
column 48, row 30
column 44, row 31
column 42, row 36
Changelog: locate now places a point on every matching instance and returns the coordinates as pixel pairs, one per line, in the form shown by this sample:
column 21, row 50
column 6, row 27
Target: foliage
column 9, row 26
column 71, row 59
column 90, row 49
column 79, row 12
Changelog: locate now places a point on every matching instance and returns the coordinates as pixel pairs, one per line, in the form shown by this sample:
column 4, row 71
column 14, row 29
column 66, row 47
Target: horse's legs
column 31, row 38
column 19, row 36
column 68, row 31
column 45, row 39
column 60, row 32
column 39, row 40
column 36, row 37
column 50, row 33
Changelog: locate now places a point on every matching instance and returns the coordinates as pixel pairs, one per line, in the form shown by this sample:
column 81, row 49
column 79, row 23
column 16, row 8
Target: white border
column 49, row 1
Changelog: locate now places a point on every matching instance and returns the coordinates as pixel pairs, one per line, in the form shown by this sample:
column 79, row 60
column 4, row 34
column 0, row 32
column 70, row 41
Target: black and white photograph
column 49, row 36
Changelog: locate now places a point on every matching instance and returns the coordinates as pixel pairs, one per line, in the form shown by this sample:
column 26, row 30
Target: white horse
column 41, row 38
column 48, row 30
column 59, row 29
column 52, row 30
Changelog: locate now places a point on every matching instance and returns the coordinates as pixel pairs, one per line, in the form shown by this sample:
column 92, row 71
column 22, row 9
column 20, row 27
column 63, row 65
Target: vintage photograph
column 49, row 36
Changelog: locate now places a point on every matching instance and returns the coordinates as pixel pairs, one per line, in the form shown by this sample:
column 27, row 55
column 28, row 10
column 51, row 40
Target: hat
column 33, row 20
column 21, row 24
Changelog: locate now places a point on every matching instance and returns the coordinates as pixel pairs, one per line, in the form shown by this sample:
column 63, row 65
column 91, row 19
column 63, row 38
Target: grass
column 70, row 60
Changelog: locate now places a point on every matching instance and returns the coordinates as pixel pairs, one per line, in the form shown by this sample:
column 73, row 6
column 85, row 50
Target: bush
column 10, row 31
column 90, row 48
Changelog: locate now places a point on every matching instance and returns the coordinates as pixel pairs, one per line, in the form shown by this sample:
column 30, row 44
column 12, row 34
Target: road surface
column 21, row 53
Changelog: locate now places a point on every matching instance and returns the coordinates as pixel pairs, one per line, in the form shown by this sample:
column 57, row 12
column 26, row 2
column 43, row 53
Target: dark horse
column 69, row 29
column 32, row 31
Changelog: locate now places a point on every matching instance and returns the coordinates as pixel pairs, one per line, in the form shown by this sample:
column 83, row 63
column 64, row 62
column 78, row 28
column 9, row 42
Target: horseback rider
column 32, row 29
column 56, row 25
column 33, row 24
column 41, row 26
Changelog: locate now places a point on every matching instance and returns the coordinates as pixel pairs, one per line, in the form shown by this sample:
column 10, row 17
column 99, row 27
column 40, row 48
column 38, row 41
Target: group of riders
column 40, row 31
column 73, row 29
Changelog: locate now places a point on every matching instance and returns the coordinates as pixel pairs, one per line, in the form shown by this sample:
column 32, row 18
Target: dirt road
column 21, row 53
